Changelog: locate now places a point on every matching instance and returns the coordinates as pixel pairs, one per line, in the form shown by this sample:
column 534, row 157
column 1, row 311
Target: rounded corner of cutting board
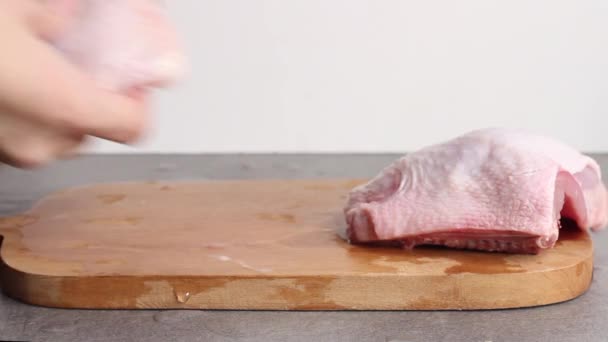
column 29, row 288
column 564, row 272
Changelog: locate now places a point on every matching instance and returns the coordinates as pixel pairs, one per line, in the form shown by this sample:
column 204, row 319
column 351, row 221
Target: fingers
column 35, row 153
column 50, row 18
column 53, row 91
column 71, row 148
column 109, row 115
column 27, row 144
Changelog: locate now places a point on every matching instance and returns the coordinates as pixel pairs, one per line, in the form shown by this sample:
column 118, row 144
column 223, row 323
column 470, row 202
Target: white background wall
column 390, row 75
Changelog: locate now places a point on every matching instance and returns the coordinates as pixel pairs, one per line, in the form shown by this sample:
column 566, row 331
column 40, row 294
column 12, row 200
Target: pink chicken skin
column 494, row 189
column 122, row 44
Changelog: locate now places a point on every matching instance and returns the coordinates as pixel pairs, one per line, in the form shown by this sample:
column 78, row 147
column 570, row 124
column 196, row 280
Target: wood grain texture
column 269, row 244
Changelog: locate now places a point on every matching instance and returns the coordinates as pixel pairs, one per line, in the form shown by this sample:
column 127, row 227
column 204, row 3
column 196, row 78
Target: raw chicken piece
column 122, row 44
column 493, row 189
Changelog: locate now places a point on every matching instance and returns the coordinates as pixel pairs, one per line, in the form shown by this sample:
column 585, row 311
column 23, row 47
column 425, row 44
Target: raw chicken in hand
column 494, row 190
column 123, row 44
column 73, row 69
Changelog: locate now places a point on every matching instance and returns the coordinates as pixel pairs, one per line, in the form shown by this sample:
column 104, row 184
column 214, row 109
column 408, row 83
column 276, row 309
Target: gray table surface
column 581, row 319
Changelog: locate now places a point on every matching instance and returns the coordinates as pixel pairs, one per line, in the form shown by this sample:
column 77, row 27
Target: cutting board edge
column 52, row 291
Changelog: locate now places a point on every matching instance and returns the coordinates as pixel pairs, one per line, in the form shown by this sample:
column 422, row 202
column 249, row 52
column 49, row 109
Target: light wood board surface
column 269, row 244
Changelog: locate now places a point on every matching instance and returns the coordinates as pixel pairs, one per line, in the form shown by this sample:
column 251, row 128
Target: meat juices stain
column 288, row 218
column 481, row 264
column 467, row 261
column 182, row 297
column 300, row 295
column 111, row 198
column 373, row 259
column 165, row 188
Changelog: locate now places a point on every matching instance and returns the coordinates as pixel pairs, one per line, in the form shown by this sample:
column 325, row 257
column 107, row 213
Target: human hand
column 52, row 99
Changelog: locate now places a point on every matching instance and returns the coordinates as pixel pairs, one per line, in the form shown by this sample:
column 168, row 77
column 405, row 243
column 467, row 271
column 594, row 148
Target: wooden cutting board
column 255, row 245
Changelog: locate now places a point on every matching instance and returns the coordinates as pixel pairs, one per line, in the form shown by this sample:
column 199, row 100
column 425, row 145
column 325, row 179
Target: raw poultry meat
column 494, row 189
column 122, row 44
